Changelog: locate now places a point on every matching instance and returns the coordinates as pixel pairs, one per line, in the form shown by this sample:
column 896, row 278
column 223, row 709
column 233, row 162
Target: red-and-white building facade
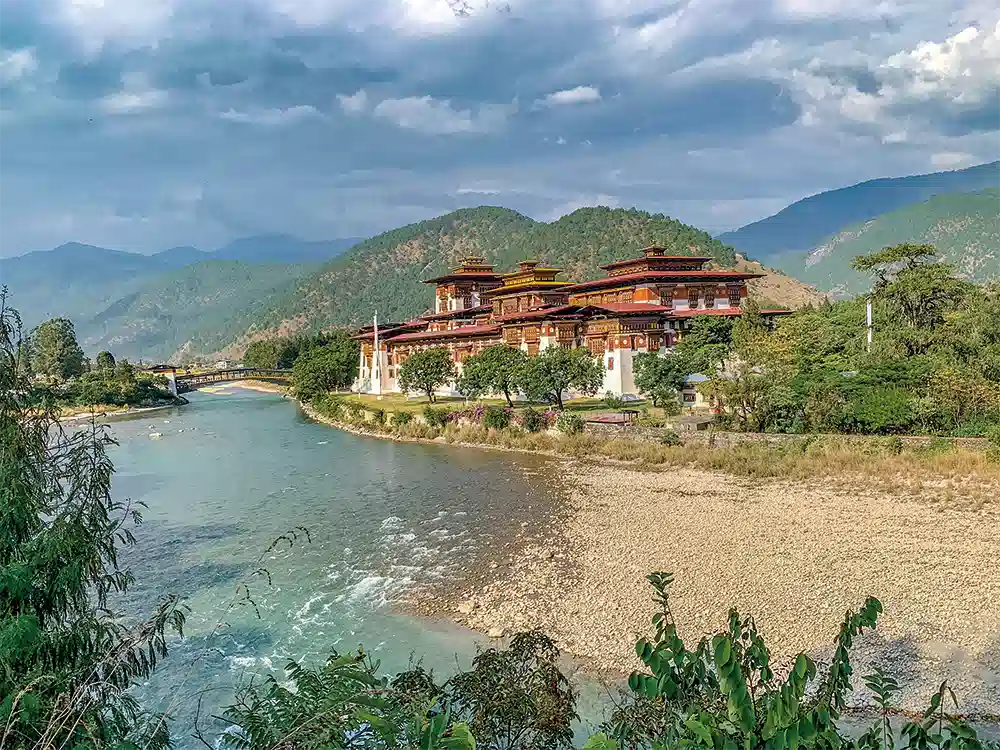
column 640, row 305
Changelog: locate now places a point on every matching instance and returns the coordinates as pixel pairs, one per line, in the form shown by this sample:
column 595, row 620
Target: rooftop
column 676, row 276
column 656, row 252
column 464, row 332
column 469, row 268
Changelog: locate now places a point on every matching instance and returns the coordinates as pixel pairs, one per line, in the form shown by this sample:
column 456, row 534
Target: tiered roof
column 528, row 277
column 469, row 268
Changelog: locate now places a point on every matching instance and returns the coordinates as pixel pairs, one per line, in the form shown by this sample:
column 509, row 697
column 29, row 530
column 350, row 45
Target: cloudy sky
column 141, row 124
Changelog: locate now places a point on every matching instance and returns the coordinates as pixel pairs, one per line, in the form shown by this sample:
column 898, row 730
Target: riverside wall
column 721, row 439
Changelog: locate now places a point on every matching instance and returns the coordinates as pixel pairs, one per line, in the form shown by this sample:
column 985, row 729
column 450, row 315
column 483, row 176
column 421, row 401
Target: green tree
column 516, row 699
column 558, row 369
column 105, row 361
column 426, row 371
column 332, row 366
column 920, row 292
column 262, row 354
column 55, row 352
column 67, row 660
column 496, row 369
column 661, row 376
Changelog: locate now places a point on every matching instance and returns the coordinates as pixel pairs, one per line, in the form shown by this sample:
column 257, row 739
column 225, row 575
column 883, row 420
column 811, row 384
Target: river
column 234, row 470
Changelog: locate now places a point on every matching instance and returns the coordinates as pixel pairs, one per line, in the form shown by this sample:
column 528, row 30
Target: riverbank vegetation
column 933, row 367
column 57, row 373
column 887, row 459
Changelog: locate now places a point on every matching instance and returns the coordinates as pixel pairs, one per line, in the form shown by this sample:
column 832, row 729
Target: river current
column 225, row 476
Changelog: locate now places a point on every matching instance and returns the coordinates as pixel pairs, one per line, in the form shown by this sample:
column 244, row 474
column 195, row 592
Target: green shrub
column 496, row 418
column 436, row 417
column 671, row 438
column 993, row 435
column 613, row 401
column 649, row 420
column 671, row 407
column 328, row 405
column 377, row 416
column 401, row 418
column 569, row 423
column 532, row 420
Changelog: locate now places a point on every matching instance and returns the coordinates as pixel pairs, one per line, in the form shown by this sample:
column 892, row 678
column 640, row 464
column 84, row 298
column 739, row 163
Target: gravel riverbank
column 796, row 555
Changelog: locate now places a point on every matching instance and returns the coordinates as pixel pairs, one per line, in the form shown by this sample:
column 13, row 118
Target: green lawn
column 393, row 402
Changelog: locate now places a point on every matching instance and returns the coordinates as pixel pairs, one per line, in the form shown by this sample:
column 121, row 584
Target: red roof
column 729, row 311
column 468, row 276
column 368, row 332
column 692, row 258
column 628, row 308
column 480, row 310
column 675, row 275
column 463, row 332
column 531, row 286
column 540, row 312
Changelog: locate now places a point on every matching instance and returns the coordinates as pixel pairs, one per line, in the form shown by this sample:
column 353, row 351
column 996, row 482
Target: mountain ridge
column 806, row 223
column 963, row 227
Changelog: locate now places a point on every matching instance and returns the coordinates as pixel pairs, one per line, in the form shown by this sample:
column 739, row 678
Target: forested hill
column 964, row 227
column 196, row 309
column 385, row 272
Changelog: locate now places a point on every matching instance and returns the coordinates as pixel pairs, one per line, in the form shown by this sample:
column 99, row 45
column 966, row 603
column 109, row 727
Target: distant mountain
column 964, row 227
column 76, row 280
column 385, row 272
column 178, row 257
column 198, row 308
column 73, row 280
column 807, row 223
column 282, row 248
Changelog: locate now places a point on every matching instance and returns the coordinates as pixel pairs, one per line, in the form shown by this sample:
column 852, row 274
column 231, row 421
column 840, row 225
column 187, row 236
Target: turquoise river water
column 232, row 471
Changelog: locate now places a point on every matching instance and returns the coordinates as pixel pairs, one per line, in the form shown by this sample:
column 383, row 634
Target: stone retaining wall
column 728, row 439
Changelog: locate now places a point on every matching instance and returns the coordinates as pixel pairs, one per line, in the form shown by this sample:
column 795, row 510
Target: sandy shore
column 118, row 413
column 250, row 385
column 795, row 555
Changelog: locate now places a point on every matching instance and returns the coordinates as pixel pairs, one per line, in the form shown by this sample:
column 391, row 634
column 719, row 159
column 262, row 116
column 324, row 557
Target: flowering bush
column 533, row 420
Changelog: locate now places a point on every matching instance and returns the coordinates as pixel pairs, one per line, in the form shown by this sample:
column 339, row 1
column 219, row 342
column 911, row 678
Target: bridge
column 187, row 383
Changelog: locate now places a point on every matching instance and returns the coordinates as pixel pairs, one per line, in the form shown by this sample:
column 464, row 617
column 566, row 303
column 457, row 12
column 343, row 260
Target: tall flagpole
column 868, row 320
column 376, row 374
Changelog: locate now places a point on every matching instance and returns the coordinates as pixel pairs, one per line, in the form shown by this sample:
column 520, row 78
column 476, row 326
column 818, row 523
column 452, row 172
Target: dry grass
column 887, row 464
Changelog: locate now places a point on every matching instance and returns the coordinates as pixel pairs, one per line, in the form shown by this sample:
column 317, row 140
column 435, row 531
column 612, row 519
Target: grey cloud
column 708, row 120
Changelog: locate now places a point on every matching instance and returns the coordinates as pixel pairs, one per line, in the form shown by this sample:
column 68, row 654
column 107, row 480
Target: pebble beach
column 796, row 555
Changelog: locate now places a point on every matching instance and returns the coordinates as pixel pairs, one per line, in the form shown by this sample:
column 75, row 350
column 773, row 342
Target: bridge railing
column 188, row 382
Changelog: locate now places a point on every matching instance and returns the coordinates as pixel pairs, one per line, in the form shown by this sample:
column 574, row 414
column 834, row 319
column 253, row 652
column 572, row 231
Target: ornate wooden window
column 734, row 296
column 666, row 296
column 532, row 348
column 710, row 296
column 596, row 346
column 693, row 296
